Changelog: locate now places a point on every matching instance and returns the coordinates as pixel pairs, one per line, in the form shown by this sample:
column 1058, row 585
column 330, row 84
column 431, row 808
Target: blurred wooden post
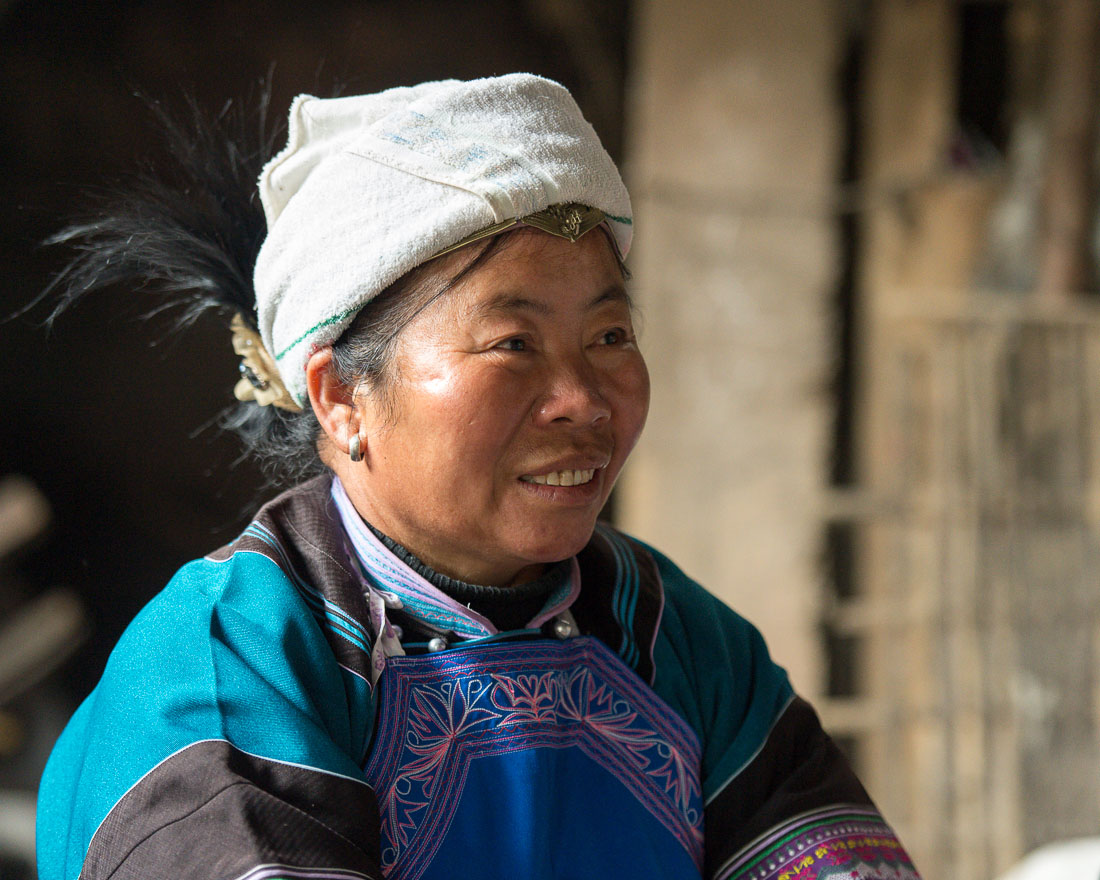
column 921, row 234
column 1068, row 200
column 916, row 235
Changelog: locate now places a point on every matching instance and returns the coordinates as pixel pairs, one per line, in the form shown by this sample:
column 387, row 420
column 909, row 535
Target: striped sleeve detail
column 796, row 811
column 840, row 841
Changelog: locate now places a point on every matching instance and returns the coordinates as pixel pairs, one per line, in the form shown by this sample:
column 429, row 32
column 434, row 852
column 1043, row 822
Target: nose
column 574, row 395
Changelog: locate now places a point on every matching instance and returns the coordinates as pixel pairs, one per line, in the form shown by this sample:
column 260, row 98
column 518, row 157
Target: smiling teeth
column 562, row 478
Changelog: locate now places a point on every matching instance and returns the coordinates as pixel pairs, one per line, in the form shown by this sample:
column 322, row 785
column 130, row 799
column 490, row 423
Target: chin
column 554, row 547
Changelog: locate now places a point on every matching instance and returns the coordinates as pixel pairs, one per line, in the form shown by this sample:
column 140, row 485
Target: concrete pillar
column 733, row 137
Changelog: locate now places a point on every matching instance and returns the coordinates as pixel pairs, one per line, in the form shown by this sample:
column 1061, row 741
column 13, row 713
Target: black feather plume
column 189, row 231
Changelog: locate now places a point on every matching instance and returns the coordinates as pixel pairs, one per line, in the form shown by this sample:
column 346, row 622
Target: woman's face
column 518, row 396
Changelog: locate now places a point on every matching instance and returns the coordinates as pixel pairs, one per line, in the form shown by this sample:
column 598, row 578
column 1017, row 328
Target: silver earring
column 355, row 451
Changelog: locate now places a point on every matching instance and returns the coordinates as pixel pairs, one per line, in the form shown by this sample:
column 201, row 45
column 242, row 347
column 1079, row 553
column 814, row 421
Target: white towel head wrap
column 370, row 187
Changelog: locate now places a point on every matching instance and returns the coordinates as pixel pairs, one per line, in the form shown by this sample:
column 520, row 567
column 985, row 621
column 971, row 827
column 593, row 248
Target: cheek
column 463, row 412
column 632, row 391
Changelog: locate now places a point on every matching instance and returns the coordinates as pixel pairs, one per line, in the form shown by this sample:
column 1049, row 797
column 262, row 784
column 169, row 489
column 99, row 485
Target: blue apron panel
column 536, row 759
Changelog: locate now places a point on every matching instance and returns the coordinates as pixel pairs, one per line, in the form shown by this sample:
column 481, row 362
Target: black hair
column 285, row 443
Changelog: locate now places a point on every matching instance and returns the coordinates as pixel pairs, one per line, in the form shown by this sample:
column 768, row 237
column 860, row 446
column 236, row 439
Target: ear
column 333, row 402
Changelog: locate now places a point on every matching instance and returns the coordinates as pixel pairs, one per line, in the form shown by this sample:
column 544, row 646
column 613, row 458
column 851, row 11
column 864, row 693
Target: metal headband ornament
column 570, row 220
column 260, row 380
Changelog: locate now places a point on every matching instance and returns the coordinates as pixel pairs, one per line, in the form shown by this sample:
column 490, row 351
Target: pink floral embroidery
column 525, row 698
column 449, row 719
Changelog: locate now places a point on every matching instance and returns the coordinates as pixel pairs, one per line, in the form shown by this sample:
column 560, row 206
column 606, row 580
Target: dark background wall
column 110, row 418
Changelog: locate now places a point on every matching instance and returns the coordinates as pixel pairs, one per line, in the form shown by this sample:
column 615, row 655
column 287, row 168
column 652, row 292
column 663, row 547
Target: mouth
column 561, row 478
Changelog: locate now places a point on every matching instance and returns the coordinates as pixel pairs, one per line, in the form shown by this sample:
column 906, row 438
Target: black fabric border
column 798, row 769
column 212, row 811
column 592, row 609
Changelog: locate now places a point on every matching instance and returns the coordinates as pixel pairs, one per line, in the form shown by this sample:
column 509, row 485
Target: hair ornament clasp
column 260, row 380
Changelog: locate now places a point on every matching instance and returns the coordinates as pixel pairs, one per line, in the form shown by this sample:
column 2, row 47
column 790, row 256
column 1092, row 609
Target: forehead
column 542, row 274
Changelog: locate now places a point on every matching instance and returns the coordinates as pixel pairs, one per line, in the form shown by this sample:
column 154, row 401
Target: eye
column 514, row 343
column 615, row 336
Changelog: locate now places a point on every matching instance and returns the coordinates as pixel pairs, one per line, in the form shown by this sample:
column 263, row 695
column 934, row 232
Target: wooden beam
column 1068, row 200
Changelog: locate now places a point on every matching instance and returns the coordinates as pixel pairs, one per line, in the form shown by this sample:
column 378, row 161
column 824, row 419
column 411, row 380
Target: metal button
column 390, row 600
column 437, row 644
column 563, row 629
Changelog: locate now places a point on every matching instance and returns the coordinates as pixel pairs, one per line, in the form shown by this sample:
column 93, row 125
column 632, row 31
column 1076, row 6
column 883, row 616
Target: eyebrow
column 510, row 302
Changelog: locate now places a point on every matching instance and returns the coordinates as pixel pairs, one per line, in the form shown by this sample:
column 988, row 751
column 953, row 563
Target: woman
column 430, row 661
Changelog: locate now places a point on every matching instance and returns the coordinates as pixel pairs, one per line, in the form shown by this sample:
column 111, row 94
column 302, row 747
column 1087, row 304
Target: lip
column 573, row 496
column 575, row 463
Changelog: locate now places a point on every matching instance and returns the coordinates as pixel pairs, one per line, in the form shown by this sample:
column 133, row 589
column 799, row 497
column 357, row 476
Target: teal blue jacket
column 235, row 732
